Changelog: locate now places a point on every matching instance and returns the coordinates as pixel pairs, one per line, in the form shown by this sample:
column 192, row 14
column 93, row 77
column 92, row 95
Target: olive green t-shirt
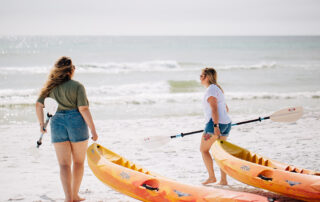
column 69, row 95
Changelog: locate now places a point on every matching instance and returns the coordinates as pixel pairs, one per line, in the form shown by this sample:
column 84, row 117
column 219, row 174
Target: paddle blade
column 156, row 141
column 287, row 115
column 50, row 105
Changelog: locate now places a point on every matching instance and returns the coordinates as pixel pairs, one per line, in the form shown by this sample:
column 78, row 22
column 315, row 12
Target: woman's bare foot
column 223, row 183
column 78, row 198
column 209, row 181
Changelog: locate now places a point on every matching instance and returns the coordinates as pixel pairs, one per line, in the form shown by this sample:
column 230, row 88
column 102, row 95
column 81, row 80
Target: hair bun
column 67, row 62
column 64, row 61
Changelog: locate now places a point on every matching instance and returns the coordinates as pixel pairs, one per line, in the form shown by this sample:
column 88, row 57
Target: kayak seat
column 246, row 155
column 234, row 151
column 110, row 156
column 116, row 159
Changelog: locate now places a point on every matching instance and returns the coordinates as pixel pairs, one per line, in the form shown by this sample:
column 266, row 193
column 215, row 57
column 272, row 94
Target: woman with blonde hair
column 69, row 126
column 218, row 123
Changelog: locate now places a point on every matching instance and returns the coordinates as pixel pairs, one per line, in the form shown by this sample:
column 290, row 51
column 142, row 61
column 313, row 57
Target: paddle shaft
column 253, row 120
column 235, row 124
column 39, row 142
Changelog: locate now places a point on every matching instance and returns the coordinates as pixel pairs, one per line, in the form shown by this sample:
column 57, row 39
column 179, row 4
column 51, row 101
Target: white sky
column 161, row 17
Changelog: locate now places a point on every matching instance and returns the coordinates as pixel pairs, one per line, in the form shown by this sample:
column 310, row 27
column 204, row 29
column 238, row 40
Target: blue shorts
column 68, row 125
column 224, row 128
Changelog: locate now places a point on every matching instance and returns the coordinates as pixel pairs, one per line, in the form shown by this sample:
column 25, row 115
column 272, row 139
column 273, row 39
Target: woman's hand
column 217, row 131
column 42, row 129
column 94, row 136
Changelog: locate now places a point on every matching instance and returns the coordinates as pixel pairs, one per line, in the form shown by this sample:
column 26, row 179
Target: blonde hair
column 211, row 73
column 60, row 73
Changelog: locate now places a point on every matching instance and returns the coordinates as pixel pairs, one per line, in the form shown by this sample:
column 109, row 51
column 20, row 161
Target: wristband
column 215, row 125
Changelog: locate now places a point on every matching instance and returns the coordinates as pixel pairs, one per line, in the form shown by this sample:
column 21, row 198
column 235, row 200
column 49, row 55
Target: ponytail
column 211, row 73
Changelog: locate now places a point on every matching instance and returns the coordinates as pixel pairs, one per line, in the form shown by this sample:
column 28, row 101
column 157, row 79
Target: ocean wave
column 24, row 70
column 140, row 94
column 164, row 66
column 108, row 68
column 7, row 93
column 113, row 67
column 149, row 99
column 129, row 89
column 184, row 86
column 125, row 67
column 269, row 96
column 150, row 66
column 195, row 97
column 247, row 66
column 18, row 97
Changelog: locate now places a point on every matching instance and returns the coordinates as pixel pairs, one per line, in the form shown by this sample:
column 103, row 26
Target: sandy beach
column 30, row 174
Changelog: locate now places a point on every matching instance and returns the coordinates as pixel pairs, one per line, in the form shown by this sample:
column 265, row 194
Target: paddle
column 51, row 107
column 285, row 115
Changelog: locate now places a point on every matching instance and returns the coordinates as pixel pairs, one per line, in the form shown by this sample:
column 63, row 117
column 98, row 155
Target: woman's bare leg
column 223, row 180
column 78, row 155
column 63, row 152
column 206, row 142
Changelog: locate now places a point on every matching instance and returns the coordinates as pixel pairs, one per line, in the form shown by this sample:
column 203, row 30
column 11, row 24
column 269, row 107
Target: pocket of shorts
column 75, row 121
column 225, row 129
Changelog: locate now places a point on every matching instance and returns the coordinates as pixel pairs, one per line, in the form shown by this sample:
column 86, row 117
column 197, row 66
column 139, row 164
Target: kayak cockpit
column 246, row 155
column 119, row 160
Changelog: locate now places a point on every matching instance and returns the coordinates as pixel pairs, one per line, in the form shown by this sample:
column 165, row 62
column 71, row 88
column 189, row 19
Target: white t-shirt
column 215, row 91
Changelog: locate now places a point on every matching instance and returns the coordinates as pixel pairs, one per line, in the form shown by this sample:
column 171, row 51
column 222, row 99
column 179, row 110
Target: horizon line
column 173, row 35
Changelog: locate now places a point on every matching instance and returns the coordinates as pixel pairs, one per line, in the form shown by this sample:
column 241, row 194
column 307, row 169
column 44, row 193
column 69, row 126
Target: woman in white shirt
column 218, row 123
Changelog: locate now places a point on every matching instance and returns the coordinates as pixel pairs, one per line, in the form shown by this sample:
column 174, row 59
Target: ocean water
column 144, row 86
column 143, row 77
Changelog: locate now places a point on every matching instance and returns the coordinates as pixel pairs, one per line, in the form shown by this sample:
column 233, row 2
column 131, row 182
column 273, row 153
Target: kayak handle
column 270, row 199
column 150, row 188
column 265, row 178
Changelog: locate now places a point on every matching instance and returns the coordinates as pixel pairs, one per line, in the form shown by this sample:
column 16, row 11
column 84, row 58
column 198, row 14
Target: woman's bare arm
column 215, row 115
column 39, row 112
column 85, row 112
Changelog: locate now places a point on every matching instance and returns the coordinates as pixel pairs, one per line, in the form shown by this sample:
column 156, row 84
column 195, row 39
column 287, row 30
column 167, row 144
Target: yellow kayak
column 139, row 183
column 265, row 173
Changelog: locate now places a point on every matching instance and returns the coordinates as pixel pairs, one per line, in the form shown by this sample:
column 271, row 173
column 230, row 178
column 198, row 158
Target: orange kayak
column 262, row 172
column 135, row 181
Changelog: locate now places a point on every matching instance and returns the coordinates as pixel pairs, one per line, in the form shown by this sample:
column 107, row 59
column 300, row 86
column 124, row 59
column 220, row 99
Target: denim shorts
column 68, row 125
column 224, row 128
